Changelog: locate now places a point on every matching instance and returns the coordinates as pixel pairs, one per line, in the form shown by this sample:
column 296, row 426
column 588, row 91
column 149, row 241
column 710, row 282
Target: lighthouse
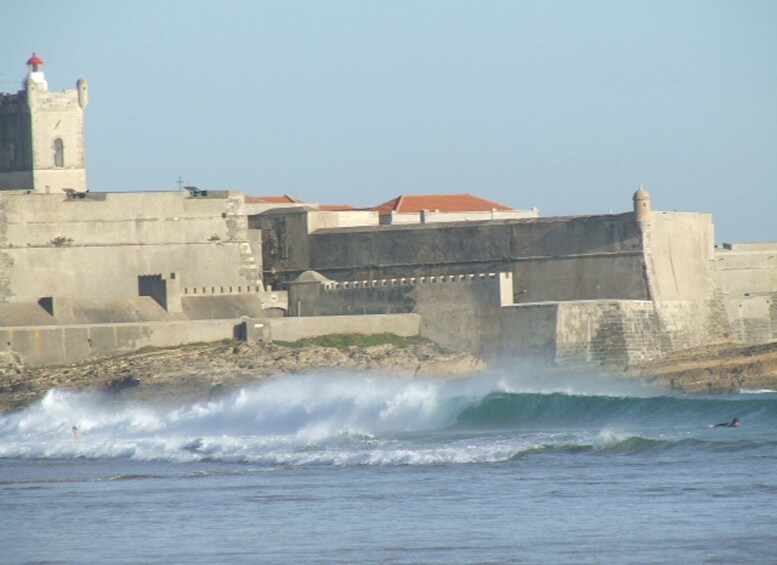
column 42, row 135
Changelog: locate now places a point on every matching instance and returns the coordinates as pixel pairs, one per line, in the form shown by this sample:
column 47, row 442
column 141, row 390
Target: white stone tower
column 42, row 135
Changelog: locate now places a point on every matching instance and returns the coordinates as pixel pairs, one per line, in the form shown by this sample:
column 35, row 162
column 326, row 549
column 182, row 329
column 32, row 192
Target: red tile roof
column 414, row 203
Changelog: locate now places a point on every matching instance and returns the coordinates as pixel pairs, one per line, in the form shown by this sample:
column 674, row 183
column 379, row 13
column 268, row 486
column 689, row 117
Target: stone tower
column 641, row 204
column 42, row 135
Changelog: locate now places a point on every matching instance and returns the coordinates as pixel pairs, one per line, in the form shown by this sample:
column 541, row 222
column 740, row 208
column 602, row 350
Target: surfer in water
column 76, row 432
column 732, row 424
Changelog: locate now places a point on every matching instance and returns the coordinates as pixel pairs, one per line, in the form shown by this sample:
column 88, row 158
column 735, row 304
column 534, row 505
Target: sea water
column 372, row 469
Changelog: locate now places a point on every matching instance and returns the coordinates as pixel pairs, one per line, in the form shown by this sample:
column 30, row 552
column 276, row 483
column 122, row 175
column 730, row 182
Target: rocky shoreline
column 200, row 371
column 722, row 368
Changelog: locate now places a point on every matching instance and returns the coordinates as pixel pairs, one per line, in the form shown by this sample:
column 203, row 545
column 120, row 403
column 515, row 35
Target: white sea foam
column 298, row 419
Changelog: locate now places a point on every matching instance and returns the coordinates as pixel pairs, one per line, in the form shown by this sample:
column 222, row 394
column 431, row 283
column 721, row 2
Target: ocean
column 328, row 468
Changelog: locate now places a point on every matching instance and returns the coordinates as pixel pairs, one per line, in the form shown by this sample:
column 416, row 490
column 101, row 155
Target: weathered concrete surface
column 748, row 275
column 52, row 344
column 293, row 329
column 195, row 371
column 579, row 250
column 38, row 346
column 96, row 247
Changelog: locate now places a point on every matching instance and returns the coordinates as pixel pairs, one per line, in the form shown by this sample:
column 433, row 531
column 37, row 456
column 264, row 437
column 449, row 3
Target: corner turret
column 83, row 92
column 641, row 204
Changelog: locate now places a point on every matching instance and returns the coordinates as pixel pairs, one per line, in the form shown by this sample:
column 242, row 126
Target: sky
column 567, row 106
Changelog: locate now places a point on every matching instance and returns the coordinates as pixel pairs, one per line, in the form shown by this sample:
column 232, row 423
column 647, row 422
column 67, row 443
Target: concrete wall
column 609, row 332
column 110, row 272
column 95, row 248
column 679, row 251
column 527, row 334
column 543, row 253
column 583, row 277
column 748, row 280
column 293, row 329
column 463, row 315
column 147, row 218
column 340, row 219
column 70, row 344
column 435, row 216
column 61, row 344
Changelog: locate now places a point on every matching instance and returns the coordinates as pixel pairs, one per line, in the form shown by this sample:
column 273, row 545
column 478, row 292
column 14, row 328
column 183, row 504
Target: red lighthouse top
column 34, row 60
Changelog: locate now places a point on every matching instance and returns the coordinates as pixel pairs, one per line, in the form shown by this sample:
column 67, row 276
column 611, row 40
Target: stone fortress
column 95, row 273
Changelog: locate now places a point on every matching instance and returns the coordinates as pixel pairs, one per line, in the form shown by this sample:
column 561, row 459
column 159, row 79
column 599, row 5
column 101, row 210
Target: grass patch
column 342, row 341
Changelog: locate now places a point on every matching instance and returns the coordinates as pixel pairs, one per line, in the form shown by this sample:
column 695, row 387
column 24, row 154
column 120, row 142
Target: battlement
column 412, row 281
column 221, row 290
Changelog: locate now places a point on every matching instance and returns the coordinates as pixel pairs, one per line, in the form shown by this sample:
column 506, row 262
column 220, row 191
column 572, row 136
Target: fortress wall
column 753, row 319
column 748, row 279
column 396, row 251
column 221, row 290
column 70, row 344
column 687, row 324
column 70, row 311
column 293, row 329
column 339, row 219
column 121, row 218
column 285, row 240
column 54, row 180
column 351, row 301
column 261, row 305
column 630, row 331
column 56, row 311
column 599, row 332
column 462, row 315
column 376, row 296
column 608, row 332
column 679, row 252
column 527, row 334
column 607, row 276
column 432, row 216
column 110, row 272
column 95, row 247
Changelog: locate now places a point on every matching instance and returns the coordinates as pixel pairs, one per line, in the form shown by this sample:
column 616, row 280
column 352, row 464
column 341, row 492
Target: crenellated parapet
column 164, row 289
column 410, row 281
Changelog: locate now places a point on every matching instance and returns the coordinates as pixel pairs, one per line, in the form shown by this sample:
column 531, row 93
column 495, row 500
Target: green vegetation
column 341, row 341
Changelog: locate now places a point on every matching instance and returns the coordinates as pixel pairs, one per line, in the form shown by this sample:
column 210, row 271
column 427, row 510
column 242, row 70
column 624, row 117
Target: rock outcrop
column 202, row 371
column 713, row 369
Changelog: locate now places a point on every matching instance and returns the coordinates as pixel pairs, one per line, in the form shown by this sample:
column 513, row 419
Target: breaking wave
column 319, row 419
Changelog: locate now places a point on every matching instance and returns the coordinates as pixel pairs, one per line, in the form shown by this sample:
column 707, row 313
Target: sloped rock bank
column 197, row 372
column 714, row 369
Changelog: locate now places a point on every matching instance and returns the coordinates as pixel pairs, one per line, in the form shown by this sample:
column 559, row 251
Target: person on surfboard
column 732, row 424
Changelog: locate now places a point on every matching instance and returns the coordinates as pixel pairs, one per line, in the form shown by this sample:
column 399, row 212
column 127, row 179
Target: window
column 59, row 153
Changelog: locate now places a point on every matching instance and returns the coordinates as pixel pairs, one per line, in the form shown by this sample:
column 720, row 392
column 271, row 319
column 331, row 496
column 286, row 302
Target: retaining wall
column 293, row 329
column 55, row 345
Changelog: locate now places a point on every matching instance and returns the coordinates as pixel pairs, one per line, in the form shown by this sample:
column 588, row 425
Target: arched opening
column 59, row 153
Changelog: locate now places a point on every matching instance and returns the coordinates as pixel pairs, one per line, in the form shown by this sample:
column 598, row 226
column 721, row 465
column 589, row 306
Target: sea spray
column 326, row 419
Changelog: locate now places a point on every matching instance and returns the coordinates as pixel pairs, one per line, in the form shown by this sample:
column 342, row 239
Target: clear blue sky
column 563, row 105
